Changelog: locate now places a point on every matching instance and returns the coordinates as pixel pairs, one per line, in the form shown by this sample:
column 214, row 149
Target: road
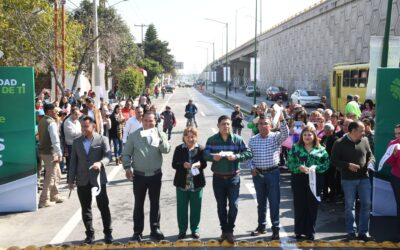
column 62, row 224
column 239, row 97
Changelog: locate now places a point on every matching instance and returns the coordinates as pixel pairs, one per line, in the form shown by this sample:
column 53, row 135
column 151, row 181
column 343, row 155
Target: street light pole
column 212, row 62
column 226, row 56
column 236, row 13
column 255, row 60
column 226, row 62
column 206, row 48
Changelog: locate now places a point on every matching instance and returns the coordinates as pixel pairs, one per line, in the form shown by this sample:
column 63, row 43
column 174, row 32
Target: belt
column 136, row 172
column 225, row 177
column 266, row 170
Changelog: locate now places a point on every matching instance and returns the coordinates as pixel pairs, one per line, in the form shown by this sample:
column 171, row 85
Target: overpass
column 301, row 50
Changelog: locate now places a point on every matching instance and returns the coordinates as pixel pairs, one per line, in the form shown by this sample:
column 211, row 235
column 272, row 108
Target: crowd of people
column 329, row 154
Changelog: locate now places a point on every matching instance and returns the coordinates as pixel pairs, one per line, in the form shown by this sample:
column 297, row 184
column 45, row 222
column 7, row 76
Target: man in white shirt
column 133, row 123
column 72, row 130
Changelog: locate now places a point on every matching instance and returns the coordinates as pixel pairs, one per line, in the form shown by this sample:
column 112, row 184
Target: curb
column 216, row 243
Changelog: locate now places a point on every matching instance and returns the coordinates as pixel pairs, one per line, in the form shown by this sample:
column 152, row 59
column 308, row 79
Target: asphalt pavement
column 61, row 224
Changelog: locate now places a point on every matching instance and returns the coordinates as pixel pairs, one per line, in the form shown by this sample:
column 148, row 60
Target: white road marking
column 283, row 234
column 202, row 113
column 165, row 104
column 66, row 230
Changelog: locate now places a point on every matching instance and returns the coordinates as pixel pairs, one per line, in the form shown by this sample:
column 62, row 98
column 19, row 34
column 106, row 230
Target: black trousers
column 169, row 130
column 329, row 182
column 140, row 186
column 85, row 198
column 305, row 204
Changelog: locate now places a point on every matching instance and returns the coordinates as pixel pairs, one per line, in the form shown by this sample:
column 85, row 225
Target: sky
column 182, row 23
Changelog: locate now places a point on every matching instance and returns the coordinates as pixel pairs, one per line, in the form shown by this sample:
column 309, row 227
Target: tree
column 153, row 69
column 158, row 50
column 131, row 82
column 27, row 36
column 116, row 45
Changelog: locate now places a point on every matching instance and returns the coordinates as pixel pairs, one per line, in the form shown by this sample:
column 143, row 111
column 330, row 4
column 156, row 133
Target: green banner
column 17, row 124
column 387, row 116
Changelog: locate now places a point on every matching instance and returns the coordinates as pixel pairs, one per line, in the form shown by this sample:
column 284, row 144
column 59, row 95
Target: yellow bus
column 348, row 79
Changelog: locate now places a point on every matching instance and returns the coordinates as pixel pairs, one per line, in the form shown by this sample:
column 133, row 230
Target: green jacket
column 298, row 156
column 141, row 156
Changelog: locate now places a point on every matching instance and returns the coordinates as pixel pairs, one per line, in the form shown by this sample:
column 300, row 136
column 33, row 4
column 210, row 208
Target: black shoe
column 89, row 239
column 298, row 237
column 157, row 234
column 351, row 236
column 196, row 236
column 258, row 231
column 108, row 239
column 364, row 237
column 275, row 236
column 310, row 237
column 229, row 237
column 181, row 236
column 223, row 236
column 137, row 237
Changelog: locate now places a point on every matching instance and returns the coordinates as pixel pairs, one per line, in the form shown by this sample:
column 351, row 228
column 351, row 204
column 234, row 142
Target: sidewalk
column 245, row 102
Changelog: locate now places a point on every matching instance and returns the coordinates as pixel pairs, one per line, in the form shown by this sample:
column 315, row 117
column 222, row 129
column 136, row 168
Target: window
column 363, row 80
column 334, row 79
column 346, row 78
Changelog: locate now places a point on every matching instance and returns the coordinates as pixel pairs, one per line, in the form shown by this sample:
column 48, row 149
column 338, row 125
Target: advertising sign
column 18, row 181
column 387, row 96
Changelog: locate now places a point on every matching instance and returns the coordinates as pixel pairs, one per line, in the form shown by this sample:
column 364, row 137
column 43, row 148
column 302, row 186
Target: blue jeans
column 350, row 189
column 117, row 147
column 267, row 186
column 227, row 189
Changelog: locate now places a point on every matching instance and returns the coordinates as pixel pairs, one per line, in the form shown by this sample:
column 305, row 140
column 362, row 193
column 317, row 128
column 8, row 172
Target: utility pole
column 141, row 26
column 385, row 49
column 63, row 42
column 56, row 46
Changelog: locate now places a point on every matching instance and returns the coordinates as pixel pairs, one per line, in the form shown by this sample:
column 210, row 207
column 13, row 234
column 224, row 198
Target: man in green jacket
column 225, row 150
column 142, row 161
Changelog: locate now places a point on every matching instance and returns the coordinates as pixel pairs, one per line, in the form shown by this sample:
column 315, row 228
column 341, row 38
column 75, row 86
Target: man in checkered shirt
column 266, row 147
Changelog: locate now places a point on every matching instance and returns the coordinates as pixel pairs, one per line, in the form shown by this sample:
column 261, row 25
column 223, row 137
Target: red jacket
column 394, row 160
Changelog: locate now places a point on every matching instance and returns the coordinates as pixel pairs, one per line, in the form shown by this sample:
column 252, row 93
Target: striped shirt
column 266, row 150
column 234, row 143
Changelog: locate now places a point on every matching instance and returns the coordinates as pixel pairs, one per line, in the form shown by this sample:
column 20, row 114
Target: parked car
column 274, row 93
column 188, row 85
column 250, row 91
column 305, row 97
column 169, row 88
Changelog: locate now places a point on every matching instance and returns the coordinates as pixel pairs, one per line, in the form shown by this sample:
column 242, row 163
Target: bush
column 131, row 82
